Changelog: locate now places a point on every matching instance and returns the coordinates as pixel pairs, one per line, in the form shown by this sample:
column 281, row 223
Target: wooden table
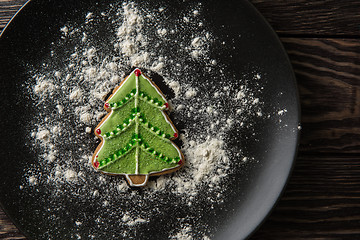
column 322, row 199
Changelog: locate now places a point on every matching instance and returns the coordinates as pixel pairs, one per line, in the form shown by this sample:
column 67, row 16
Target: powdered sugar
column 130, row 221
column 70, row 102
column 184, row 234
column 43, row 135
column 205, row 158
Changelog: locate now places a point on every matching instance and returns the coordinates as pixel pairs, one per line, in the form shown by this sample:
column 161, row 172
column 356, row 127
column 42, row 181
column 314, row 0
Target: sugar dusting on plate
column 69, row 90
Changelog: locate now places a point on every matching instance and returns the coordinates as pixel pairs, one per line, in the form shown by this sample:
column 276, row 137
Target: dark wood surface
column 322, row 199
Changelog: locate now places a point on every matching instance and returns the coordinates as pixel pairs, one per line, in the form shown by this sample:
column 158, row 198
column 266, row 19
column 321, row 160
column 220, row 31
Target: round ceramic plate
column 237, row 100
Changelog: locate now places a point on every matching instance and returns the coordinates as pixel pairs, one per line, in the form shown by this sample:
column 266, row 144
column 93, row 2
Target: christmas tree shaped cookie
column 136, row 133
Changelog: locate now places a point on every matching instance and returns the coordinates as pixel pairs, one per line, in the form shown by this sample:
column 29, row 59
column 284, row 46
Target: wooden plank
column 7, row 9
column 316, row 17
column 7, row 229
column 301, row 17
column 321, row 201
column 328, row 74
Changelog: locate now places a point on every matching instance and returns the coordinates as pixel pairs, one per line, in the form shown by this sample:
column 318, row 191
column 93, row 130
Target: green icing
column 136, row 135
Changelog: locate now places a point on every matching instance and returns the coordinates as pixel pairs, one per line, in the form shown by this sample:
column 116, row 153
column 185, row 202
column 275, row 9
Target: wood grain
column 7, row 9
column 7, row 229
column 317, row 17
column 322, row 201
column 328, row 75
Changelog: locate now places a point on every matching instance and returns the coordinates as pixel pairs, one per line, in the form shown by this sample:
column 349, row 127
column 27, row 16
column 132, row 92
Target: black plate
column 251, row 45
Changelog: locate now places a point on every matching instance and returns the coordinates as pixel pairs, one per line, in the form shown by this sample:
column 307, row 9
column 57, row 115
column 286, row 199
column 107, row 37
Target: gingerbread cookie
column 136, row 134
